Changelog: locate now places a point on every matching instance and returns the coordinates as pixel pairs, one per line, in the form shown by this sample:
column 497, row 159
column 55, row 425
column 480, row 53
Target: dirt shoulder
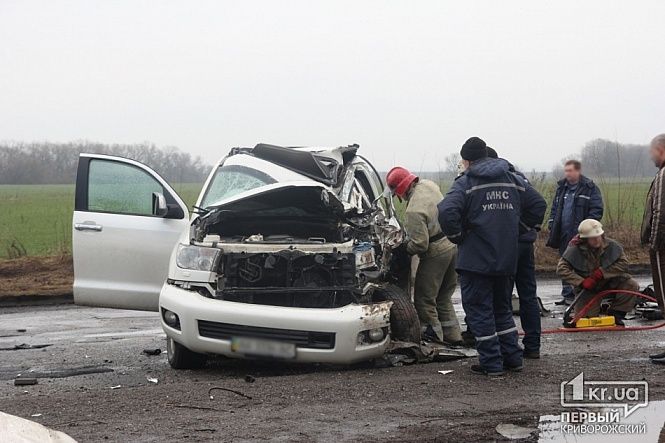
column 54, row 275
column 42, row 276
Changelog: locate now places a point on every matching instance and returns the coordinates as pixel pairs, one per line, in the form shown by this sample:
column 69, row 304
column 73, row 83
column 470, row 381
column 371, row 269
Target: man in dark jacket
column 525, row 277
column 577, row 198
column 482, row 214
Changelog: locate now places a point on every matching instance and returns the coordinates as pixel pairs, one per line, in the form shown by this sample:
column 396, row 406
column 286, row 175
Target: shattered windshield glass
column 230, row 180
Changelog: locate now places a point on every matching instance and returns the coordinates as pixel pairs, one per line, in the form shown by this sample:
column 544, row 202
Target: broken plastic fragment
column 152, row 380
column 445, row 372
column 116, row 387
column 514, row 432
column 152, row 352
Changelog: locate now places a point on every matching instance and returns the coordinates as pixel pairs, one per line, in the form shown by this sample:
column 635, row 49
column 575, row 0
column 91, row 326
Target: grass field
column 36, row 219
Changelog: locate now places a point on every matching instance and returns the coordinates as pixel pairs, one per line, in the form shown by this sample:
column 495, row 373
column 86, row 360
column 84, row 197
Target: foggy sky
column 408, row 81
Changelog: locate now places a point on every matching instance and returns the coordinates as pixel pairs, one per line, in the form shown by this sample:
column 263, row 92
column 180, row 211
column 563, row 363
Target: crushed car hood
column 297, row 201
column 308, row 195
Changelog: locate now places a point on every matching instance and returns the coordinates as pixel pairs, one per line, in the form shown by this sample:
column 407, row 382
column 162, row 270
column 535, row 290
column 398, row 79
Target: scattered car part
column 17, row 429
column 152, row 352
column 514, row 432
column 24, row 346
column 232, row 391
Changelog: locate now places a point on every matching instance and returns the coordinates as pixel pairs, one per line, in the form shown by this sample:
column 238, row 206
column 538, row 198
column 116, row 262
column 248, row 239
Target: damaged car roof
column 269, row 169
column 321, row 165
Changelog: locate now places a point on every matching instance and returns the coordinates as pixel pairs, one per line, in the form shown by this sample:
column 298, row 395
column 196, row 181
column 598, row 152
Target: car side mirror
column 159, row 207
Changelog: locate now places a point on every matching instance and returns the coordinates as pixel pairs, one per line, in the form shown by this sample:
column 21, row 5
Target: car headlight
column 197, row 258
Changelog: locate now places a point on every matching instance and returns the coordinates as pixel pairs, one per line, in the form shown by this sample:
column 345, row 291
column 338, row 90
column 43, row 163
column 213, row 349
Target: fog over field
column 409, row 81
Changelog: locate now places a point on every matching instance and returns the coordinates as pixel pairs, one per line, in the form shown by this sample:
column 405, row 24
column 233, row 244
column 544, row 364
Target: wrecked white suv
column 288, row 255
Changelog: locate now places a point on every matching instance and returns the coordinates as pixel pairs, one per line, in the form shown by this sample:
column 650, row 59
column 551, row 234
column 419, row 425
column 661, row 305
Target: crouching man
column 593, row 263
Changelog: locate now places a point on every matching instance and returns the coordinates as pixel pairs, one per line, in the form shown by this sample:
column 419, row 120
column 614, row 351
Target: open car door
column 126, row 222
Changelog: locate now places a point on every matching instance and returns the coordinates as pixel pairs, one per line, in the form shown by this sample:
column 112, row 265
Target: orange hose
column 590, row 304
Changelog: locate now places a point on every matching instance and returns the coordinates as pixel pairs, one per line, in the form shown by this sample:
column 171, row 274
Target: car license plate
column 263, row 348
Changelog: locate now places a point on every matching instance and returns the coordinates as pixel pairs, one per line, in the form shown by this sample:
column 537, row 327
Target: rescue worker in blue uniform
column 482, row 214
column 525, row 277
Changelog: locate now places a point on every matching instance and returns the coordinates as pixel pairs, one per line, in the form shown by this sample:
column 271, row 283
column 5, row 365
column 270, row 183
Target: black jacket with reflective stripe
column 482, row 213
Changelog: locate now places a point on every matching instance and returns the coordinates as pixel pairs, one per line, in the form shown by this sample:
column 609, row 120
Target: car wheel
column 404, row 323
column 182, row 358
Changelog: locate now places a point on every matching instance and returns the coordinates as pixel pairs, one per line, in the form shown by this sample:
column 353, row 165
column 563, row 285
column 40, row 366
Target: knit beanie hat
column 474, row 149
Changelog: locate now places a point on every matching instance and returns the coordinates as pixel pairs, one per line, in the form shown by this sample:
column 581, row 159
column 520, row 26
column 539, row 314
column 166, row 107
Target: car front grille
column 302, row 339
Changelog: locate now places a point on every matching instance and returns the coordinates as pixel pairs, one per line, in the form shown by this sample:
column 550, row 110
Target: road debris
column 514, row 432
column 36, row 415
column 445, row 372
column 24, row 430
column 406, row 353
column 218, row 388
column 152, row 352
column 24, row 346
column 152, row 380
column 25, row 381
column 250, row 378
column 58, row 372
column 199, row 408
column 115, row 387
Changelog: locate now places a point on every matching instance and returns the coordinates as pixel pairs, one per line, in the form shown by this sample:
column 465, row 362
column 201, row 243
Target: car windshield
column 230, row 180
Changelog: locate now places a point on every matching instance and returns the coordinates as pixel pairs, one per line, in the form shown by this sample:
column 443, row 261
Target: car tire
column 182, row 358
column 404, row 323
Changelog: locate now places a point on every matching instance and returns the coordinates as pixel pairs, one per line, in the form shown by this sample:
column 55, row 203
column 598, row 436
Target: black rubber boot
column 619, row 317
column 469, row 339
column 430, row 336
column 533, row 355
column 477, row 369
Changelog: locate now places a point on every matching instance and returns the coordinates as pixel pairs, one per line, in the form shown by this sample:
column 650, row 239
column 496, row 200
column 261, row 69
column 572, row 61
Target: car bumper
column 345, row 323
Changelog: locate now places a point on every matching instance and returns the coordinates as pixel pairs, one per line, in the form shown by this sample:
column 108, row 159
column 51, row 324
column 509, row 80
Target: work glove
column 598, row 275
column 592, row 280
column 589, row 283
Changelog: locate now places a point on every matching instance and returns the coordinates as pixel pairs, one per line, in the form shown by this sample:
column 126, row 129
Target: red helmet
column 399, row 180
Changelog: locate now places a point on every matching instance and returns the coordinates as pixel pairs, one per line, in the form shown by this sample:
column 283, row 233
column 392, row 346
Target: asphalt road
column 93, row 385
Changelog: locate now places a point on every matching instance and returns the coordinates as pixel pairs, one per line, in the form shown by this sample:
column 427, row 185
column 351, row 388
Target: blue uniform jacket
column 588, row 204
column 482, row 213
column 529, row 234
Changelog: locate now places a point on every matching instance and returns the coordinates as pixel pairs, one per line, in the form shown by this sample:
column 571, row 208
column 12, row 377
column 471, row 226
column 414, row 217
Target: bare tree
column 452, row 164
column 55, row 163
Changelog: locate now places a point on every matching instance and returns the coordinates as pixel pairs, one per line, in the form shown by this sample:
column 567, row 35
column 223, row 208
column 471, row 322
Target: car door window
column 120, row 188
